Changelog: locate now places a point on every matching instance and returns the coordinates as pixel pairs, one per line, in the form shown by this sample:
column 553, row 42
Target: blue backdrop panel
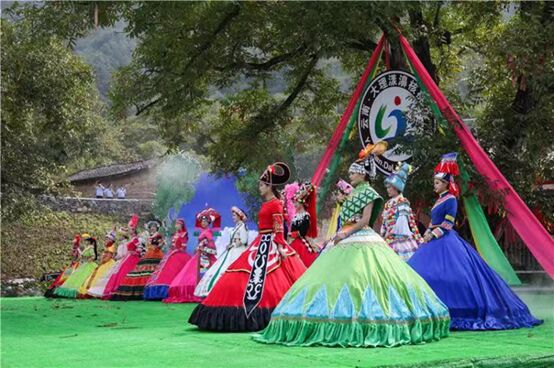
column 218, row 193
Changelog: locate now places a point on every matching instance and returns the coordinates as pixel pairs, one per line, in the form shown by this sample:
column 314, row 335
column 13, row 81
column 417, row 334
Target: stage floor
column 37, row 332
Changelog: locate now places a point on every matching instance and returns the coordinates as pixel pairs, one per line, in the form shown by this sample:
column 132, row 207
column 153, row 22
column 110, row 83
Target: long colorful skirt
column 60, row 279
column 99, row 274
column 358, row 293
column 157, row 287
column 301, row 248
column 127, row 265
column 181, row 289
column 210, row 278
column 224, row 308
column 70, row 287
column 132, row 286
column 404, row 247
column 478, row 299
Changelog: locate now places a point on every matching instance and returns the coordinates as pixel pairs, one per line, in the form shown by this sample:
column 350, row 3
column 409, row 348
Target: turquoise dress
column 358, row 293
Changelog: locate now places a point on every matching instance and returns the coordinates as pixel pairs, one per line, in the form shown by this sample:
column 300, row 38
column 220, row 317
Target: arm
column 366, row 216
column 383, row 230
column 278, row 231
column 413, row 227
column 451, row 207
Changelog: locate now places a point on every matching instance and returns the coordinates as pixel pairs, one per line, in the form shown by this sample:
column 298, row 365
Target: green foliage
column 249, row 83
column 175, row 183
column 50, row 115
column 40, row 242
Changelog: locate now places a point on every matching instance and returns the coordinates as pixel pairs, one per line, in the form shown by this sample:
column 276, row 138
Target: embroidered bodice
column 399, row 221
column 443, row 215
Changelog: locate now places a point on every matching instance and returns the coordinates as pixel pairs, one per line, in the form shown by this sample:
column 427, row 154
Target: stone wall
column 118, row 207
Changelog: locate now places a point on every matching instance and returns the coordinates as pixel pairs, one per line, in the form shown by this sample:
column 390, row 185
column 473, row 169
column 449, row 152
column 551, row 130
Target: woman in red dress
column 245, row 296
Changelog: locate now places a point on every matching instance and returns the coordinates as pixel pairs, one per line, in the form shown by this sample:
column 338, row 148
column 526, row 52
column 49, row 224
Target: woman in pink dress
column 128, row 263
column 181, row 289
column 173, row 262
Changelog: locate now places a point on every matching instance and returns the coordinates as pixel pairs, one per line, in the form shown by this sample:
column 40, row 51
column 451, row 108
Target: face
column 439, row 185
column 392, row 191
column 356, row 178
column 204, row 223
column 298, row 206
column 178, row 226
column 152, row 229
column 106, row 256
column 264, row 188
column 236, row 217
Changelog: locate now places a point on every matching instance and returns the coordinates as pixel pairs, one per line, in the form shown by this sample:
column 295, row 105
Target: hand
column 427, row 237
column 282, row 252
column 341, row 235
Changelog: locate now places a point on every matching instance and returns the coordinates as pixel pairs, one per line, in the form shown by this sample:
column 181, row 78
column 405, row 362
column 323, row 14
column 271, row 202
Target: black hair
column 95, row 247
column 276, row 192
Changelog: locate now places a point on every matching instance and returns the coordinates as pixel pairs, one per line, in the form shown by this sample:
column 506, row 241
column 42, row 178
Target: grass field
column 89, row 333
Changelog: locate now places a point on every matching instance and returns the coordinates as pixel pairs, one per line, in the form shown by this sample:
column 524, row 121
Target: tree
column 210, row 69
column 51, row 116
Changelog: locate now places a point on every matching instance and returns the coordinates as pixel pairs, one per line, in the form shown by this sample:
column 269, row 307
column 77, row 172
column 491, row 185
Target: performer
column 67, row 271
column 358, row 293
column 399, row 228
column 478, row 299
column 87, row 265
column 247, row 293
column 106, row 264
column 183, row 285
column 173, row 262
column 237, row 245
column 128, row 263
column 304, row 224
column 132, row 286
column 98, row 286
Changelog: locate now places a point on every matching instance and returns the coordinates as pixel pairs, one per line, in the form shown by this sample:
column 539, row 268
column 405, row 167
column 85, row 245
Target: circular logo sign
column 387, row 112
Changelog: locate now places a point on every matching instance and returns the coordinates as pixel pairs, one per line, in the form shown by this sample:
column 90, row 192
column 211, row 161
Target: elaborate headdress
column 398, row 178
column 303, row 193
column 133, row 222
column 306, row 194
column 276, row 174
column 344, row 187
column 181, row 221
column 446, row 170
column 156, row 223
column 111, row 235
column 88, row 237
column 212, row 216
column 288, row 199
column 77, row 240
column 240, row 213
column 364, row 164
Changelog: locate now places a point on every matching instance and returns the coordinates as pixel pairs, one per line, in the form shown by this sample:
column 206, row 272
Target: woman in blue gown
column 477, row 298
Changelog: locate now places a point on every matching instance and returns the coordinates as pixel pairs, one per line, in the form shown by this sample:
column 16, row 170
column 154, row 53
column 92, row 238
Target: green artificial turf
column 90, row 333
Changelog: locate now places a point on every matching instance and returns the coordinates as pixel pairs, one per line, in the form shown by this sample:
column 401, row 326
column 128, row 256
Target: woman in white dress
column 237, row 244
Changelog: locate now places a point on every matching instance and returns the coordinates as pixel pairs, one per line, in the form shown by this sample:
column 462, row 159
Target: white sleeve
column 402, row 225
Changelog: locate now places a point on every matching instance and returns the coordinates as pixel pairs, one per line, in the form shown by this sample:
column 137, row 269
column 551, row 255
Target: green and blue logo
column 386, row 104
